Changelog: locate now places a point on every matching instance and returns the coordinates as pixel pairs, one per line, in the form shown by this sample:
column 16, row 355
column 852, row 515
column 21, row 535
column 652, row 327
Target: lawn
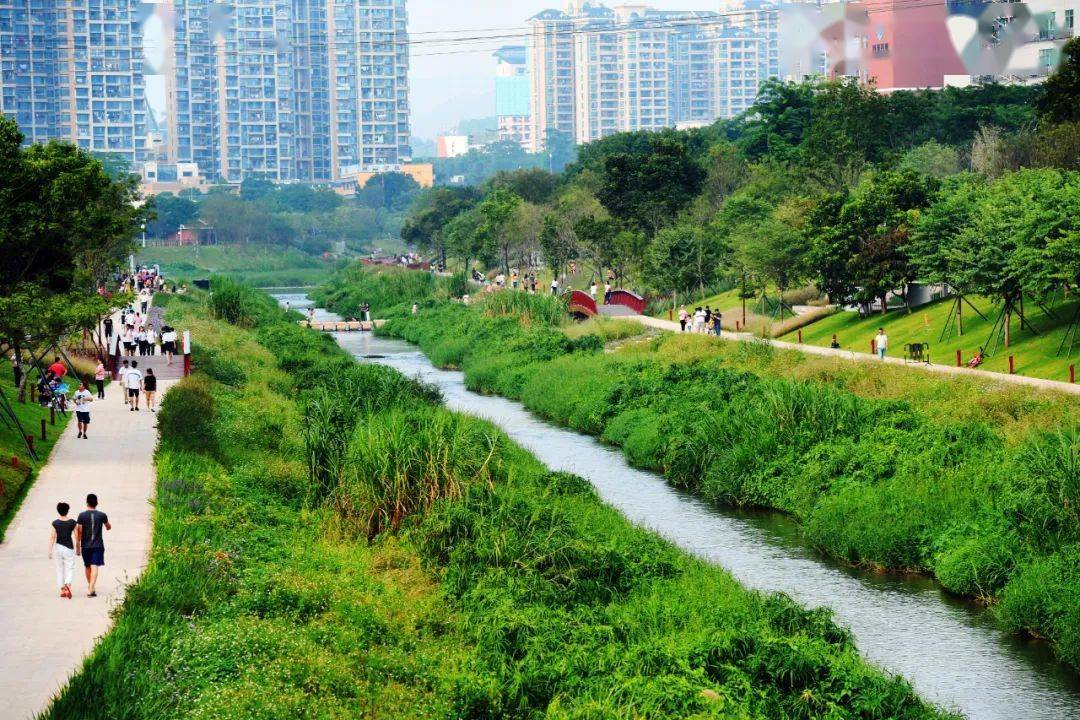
column 1034, row 355
column 15, row 481
column 258, row 265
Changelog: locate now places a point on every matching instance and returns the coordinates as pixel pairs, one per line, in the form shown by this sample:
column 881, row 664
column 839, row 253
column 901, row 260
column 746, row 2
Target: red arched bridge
column 619, row 303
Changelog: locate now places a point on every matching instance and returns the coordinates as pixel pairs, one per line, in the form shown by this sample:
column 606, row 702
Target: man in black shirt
column 89, row 541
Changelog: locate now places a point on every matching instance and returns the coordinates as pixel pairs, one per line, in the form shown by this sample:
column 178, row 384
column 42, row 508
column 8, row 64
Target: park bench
column 917, row 352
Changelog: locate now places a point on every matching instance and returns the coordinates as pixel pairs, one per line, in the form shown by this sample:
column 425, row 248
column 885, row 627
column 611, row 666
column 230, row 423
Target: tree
column 556, row 246
column 933, row 159
column 685, row 257
column 170, row 212
column 532, row 185
column 994, row 152
column 427, row 226
column 726, row 170
column 392, row 191
column 464, row 239
column 650, row 189
column 497, row 210
column 1058, row 146
column 1059, row 101
column 776, row 249
column 253, row 188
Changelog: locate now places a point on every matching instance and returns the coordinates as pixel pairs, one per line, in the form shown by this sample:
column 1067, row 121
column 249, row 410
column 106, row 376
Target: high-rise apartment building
column 597, row 70
column 512, row 93
column 287, row 90
column 72, row 69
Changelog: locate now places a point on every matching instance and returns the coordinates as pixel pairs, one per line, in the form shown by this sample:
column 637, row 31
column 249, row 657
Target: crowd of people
column 704, row 321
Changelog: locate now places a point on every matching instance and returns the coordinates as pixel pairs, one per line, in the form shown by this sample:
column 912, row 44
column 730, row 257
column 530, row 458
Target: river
column 951, row 651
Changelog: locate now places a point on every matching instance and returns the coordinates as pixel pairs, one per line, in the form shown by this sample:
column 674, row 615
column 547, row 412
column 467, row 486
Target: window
column 1069, row 19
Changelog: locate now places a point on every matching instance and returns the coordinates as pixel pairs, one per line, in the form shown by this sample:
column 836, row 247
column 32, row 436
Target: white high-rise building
column 597, row 71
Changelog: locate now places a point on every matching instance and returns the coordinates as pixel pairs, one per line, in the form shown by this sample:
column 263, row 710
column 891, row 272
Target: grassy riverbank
column 256, row 265
column 975, row 483
column 489, row 587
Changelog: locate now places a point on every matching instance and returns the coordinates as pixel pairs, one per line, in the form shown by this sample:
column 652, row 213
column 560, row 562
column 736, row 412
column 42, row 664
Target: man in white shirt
column 122, row 377
column 83, row 398
column 133, row 382
column 881, row 342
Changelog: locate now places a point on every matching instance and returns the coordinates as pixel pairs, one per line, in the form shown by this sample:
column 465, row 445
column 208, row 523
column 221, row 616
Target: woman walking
column 62, row 549
column 168, row 343
column 99, row 379
column 150, row 388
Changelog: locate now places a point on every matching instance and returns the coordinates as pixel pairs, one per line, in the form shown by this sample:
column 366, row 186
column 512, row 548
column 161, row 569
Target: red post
column 42, row 428
column 1012, row 366
column 800, row 337
column 187, row 364
column 14, row 461
column 1072, row 373
column 959, row 359
column 671, row 315
column 737, row 328
column 873, row 347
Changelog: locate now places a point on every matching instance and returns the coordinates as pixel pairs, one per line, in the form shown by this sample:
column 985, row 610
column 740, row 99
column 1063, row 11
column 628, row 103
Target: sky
column 447, row 88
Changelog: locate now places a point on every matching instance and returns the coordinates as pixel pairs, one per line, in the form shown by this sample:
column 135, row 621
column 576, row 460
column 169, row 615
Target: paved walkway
column 43, row 638
column 867, row 357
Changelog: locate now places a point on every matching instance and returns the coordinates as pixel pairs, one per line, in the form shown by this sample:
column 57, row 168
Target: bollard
column 959, row 359
column 187, row 364
column 671, row 315
column 42, row 428
column 800, row 337
column 52, row 415
column 33, row 393
column 873, row 347
column 737, row 328
column 1072, row 373
column 14, row 461
column 1012, row 366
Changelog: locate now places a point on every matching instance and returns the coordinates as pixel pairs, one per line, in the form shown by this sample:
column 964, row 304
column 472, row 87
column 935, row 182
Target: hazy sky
column 448, row 88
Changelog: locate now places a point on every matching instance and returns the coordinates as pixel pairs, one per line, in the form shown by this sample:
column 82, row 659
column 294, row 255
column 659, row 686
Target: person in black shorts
column 62, row 549
column 91, row 544
column 133, row 381
column 149, row 384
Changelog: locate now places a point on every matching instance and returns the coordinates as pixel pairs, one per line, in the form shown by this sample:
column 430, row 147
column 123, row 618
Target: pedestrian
column 607, row 293
column 151, row 341
column 129, row 340
column 716, row 317
column 89, row 535
column 140, row 340
column 150, row 388
column 57, row 368
column 881, row 342
column 168, row 343
column 133, row 381
column 835, row 344
column 83, row 398
column 699, row 320
column 592, row 290
column 62, row 548
column 108, row 324
column 684, row 317
column 554, row 286
column 124, row 370
column 144, row 299
column 99, row 379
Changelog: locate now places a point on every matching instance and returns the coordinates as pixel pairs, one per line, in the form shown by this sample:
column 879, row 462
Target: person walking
column 133, row 381
column 89, row 536
column 57, row 368
column 684, row 317
column 150, row 388
column 144, row 299
column 99, row 379
column 555, row 286
column 168, row 343
column 592, row 290
column 881, row 343
column 716, row 317
column 83, row 398
column 108, row 325
column 151, row 341
column 125, row 368
column 62, row 549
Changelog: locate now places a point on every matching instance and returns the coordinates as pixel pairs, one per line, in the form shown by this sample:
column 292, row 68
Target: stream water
column 950, row 650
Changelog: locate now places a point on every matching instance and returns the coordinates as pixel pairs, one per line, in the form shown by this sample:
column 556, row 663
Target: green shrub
column 186, row 415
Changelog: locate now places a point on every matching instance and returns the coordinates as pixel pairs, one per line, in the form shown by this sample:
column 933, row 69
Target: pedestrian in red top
column 57, row 368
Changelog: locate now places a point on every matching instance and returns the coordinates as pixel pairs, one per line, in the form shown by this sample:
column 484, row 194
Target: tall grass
column 883, row 468
column 491, row 588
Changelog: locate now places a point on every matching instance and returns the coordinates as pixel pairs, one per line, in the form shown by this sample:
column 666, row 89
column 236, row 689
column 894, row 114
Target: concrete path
column 43, row 638
column 867, row 357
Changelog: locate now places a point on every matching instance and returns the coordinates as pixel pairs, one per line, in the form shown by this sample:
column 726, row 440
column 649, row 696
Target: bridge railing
column 581, row 303
column 629, row 299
